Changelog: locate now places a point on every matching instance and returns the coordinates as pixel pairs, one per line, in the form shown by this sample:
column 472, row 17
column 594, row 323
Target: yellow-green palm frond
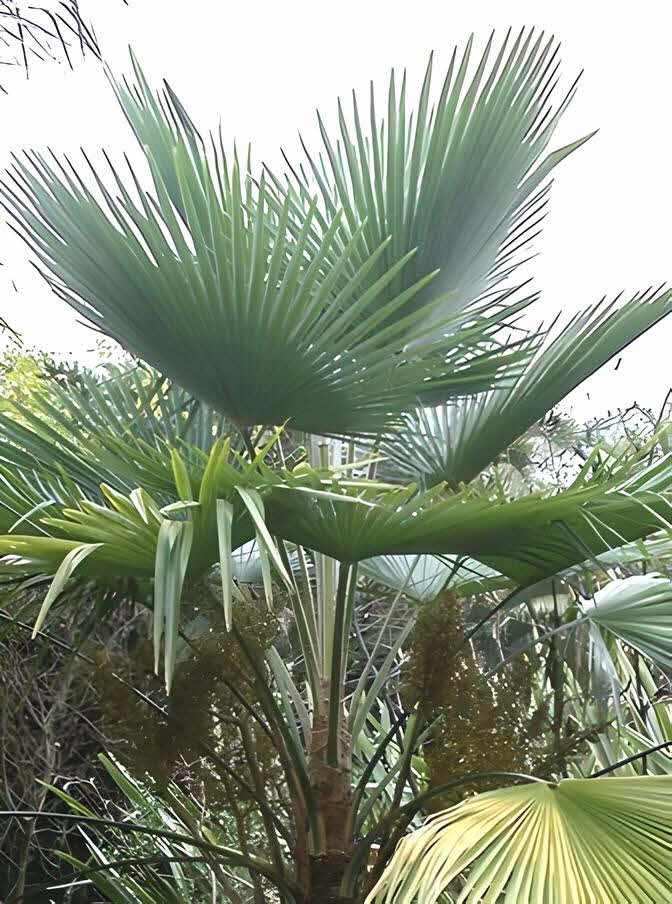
column 582, row 841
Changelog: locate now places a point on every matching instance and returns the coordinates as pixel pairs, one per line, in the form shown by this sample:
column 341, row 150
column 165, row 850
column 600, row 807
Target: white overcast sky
column 263, row 67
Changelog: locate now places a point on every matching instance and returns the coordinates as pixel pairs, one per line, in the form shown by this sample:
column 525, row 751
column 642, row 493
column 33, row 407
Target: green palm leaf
column 463, row 180
column 114, row 426
column 126, row 525
column 27, row 495
column 637, row 609
column 527, row 539
column 217, row 290
column 657, row 550
column 455, row 442
column 429, row 575
column 585, row 841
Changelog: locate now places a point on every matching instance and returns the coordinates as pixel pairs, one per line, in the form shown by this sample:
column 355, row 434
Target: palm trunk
column 332, row 792
column 326, row 873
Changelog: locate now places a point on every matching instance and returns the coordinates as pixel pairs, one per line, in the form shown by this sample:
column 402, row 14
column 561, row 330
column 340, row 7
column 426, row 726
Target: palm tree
column 356, row 327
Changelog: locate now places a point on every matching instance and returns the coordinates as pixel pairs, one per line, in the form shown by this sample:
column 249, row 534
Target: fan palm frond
column 637, row 609
column 114, row 426
column 463, row 179
column 603, row 840
column 27, row 495
column 422, row 578
column 527, row 539
column 272, row 326
column 642, row 738
column 457, row 441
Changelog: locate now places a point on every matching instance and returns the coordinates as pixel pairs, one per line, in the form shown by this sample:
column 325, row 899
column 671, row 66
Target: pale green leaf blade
column 224, row 524
column 65, row 571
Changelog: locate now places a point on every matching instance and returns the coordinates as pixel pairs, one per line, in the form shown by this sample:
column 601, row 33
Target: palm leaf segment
column 272, row 311
column 588, row 841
